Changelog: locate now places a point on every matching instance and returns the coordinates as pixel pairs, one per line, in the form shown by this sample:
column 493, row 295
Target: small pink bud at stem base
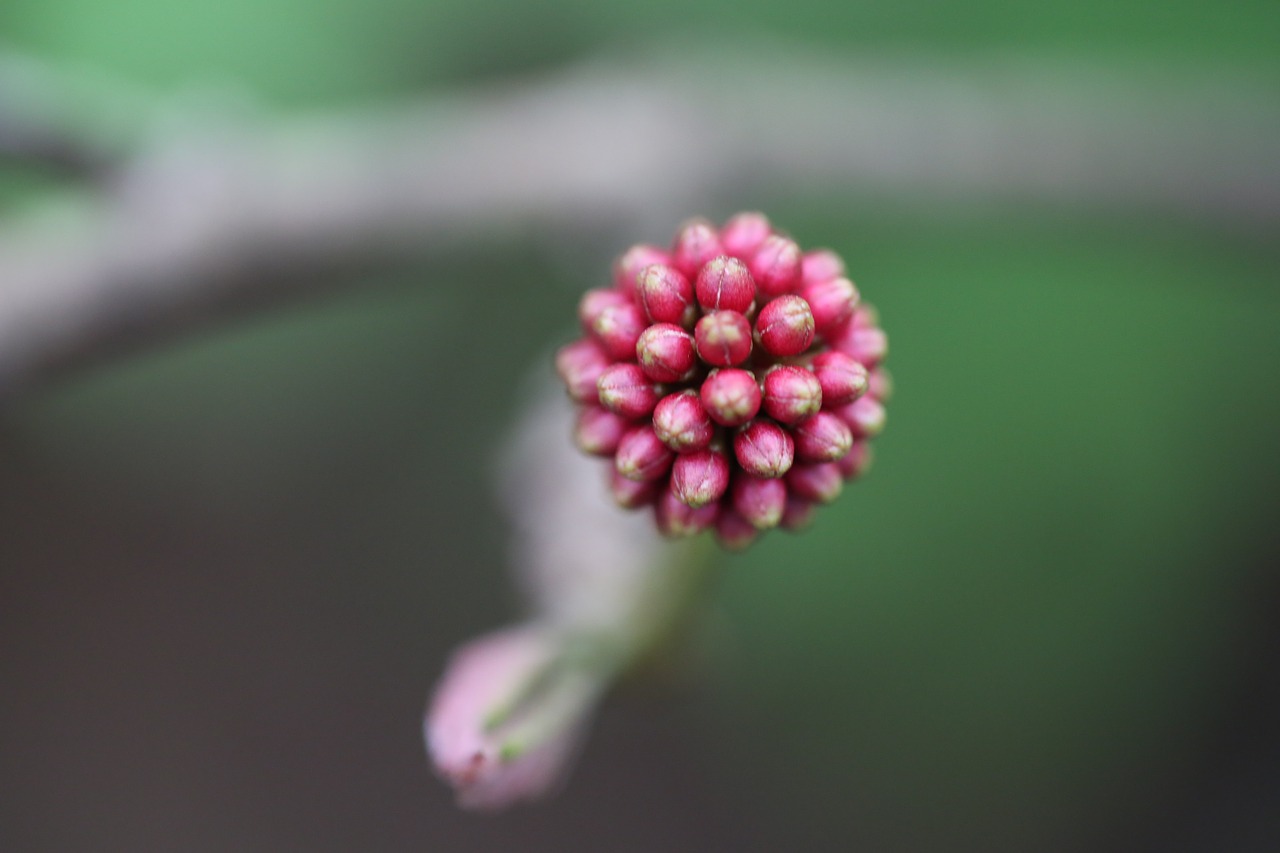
column 758, row 500
column 642, row 456
column 681, row 422
column 625, row 390
column 791, row 394
column 785, row 326
column 700, row 477
column 764, row 449
column 723, row 338
column 731, row 397
column 822, row 438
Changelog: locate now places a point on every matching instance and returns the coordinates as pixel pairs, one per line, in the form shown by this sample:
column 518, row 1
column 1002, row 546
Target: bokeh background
column 231, row 567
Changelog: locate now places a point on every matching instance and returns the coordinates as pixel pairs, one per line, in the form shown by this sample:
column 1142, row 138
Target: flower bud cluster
column 734, row 380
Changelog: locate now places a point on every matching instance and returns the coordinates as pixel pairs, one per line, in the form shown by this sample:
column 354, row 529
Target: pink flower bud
column 818, row 483
column 758, row 500
column 843, row 379
column 493, row 738
column 695, row 244
column 866, row 316
column 832, row 303
column 822, row 438
column 633, row 494
column 642, row 455
column 798, row 513
column 580, row 365
column 666, row 295
column 627, row 269
column 785, row 326
column 724, row 284
column 598, row 431
column 776, row 266
column 865, row 417
column 880, row 384
column 820, row 265
column 682, row 423
column 666, row 352
column 723, row 338
column 700, row 477
column 791, row 394
column 856, row 461
column 676, row 519
column 744, row 233
column 866, row 344
column 731, row 397
column 764, row 449
column 595, row 301
column 625, row 390
column 618, row 328
column 734, row 531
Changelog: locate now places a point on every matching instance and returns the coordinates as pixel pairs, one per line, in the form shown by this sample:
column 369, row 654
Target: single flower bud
column 666, row 295
column 791, row 394
column 595, row 301
column 785, row 326
column 633, row 494
column 731, row 397
column 856, row 461
column 776, row 266
column 798, row 513
column 759, row 500
column 843, row 379
column 580, row 365
column 742, row 235
column 866, row 344
column 764, row 449
column 724, row 284
column 625, row 390
column 666, row 352
column 682, row 423
column 642, row 456
column 819, row 483
column 734, row 531
column 822, row 438
column 696, row 243
column 723, row 338
column 677, row 519
column 618, row 328
column 865, row 417
column 832, row 303
column 627, row 269
column 700, row 477
column 598, row 431
column 820, row 265
column 880, row 384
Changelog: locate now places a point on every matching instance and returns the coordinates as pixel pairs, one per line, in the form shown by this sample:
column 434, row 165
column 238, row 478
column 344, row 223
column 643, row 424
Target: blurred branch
column 221, row 216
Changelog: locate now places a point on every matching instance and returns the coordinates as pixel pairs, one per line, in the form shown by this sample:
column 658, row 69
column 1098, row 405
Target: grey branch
column 209, row 218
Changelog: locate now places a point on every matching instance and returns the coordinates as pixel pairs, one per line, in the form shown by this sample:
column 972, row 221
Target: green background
column 231, row 568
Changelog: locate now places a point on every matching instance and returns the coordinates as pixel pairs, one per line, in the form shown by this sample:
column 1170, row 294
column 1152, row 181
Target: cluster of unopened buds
column 734, row 380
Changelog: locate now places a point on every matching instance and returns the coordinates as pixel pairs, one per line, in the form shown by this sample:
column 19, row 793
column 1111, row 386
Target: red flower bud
column 744, row 233
column 866, row 344
column 734, row 531
column 758, row 500
column 822, row 438
column 627, row 269
column 856, row 461
column 625, row 390
column 818, row 483
column 723, row 338
column 618, row 328
column 731, row 397
column 675, row 518
column 776, row 266
column 820, row 265
column 764, row 449
column 791, row 394
column 633, row 494
column 695, row 244
column 682, row 423
column 832, row 303
column 580, row 365
column 595, row 301
column 724, row 284
column 798, row 513
column 843, row 379
column 599, row 431
column 641, row 456
column 700, row 477
column 864, row 416
column 785, row 326
column 666, row 352
column 665, row 294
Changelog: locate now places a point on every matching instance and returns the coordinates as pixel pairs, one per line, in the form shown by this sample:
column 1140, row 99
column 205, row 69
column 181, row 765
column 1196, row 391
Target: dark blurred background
column 231, row 567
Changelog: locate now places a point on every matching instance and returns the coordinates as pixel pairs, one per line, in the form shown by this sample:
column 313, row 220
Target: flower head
column 738, row 379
